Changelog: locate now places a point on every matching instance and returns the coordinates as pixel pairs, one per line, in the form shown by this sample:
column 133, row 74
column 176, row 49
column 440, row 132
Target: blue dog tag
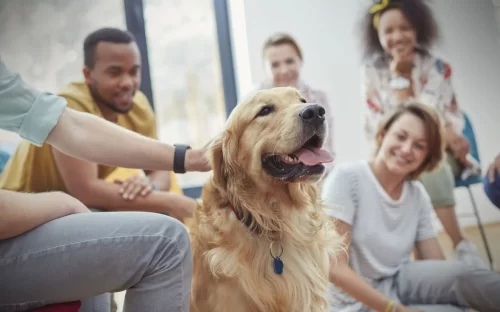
column 278, row 266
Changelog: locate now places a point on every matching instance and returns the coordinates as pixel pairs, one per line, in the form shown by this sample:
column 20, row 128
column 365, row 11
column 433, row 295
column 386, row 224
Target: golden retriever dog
column 260, row 239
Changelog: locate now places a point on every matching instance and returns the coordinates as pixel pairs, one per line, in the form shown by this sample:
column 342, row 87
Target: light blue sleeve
column 26, row 111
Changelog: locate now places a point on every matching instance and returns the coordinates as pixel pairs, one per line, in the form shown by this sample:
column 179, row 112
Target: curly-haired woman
column 398, row 67
column 383, row 212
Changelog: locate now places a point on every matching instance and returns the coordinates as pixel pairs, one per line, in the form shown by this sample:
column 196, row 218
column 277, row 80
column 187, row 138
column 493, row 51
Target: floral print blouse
column 431, row 85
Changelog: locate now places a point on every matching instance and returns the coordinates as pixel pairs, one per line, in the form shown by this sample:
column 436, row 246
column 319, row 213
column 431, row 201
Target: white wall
column 326, row 30
column 496, row 3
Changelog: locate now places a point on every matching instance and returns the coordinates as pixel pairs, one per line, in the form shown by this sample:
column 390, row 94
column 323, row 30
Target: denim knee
column 177, row 233
column 172, row 235
column 181, row 234
column 478, row 288
column 492, row 190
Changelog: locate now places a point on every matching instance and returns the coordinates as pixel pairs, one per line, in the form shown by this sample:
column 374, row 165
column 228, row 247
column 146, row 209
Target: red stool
column 61, row 307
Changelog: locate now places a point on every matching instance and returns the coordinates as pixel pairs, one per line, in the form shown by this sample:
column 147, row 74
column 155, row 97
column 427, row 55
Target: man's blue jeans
column 492, row 190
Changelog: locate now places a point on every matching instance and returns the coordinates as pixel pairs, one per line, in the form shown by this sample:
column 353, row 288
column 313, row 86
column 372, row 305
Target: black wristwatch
column 180, row 157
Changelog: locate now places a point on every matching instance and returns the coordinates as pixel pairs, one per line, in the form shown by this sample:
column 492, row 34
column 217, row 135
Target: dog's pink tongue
column 315, row 156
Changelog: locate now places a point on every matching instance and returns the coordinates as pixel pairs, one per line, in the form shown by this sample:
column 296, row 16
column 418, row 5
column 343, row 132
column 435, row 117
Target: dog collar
column 278, row 265
column 248, row 222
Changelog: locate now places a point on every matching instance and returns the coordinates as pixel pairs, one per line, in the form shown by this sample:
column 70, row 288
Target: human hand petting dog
column 197, row 160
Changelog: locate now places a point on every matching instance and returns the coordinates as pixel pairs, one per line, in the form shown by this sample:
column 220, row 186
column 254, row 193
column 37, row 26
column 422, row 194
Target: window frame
column 136, row 24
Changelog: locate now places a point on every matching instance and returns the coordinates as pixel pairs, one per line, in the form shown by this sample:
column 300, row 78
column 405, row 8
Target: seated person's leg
column 492, row 189
column 445, row 283
column 436, row 308
column 97, row 304
column 85, row 255
column 440, row 186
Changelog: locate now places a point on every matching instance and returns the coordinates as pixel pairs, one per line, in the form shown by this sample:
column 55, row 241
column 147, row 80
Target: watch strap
column 180, row 157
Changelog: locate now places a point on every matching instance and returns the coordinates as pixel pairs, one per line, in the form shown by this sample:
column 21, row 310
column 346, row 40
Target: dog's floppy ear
column 223, row 153
column 217, row 162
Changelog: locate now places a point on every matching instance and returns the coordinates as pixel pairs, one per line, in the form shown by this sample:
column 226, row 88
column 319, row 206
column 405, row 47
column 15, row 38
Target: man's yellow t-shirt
column 33, row 169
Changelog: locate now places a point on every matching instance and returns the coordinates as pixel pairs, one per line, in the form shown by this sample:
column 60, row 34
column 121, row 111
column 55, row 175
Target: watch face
column 399, row 83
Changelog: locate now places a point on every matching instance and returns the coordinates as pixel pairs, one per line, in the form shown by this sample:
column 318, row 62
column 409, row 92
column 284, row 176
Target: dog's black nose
column 314, row 114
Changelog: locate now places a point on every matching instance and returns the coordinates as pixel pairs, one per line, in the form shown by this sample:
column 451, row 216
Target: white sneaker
column 467, row 253
column 475, row 170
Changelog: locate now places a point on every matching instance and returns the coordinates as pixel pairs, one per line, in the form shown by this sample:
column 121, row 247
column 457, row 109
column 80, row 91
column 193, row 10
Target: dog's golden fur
column 232, row 266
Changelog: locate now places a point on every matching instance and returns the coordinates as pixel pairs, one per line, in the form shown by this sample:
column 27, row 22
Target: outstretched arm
column 40, row 116
column 344, row 277
column 89, row 137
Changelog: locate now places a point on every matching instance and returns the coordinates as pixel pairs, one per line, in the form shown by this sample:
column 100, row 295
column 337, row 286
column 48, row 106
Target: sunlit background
column 204, row 55
column 42, row 40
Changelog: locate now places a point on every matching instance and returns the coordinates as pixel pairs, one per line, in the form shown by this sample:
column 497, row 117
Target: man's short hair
column 108, row 34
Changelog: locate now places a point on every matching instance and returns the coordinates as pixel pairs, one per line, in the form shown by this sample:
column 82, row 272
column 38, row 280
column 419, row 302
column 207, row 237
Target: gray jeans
column 433, row 286
column 82, row 256
column 436, row 286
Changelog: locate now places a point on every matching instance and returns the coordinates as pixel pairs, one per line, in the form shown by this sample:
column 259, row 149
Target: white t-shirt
column 383, row 230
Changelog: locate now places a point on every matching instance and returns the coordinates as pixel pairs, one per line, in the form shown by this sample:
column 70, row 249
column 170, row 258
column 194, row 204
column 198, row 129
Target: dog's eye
column 266, row 110
column 303, row 100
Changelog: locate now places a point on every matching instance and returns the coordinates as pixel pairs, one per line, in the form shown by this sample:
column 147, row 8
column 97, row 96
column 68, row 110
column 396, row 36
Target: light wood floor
column 472, row 233
column 492, row 231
